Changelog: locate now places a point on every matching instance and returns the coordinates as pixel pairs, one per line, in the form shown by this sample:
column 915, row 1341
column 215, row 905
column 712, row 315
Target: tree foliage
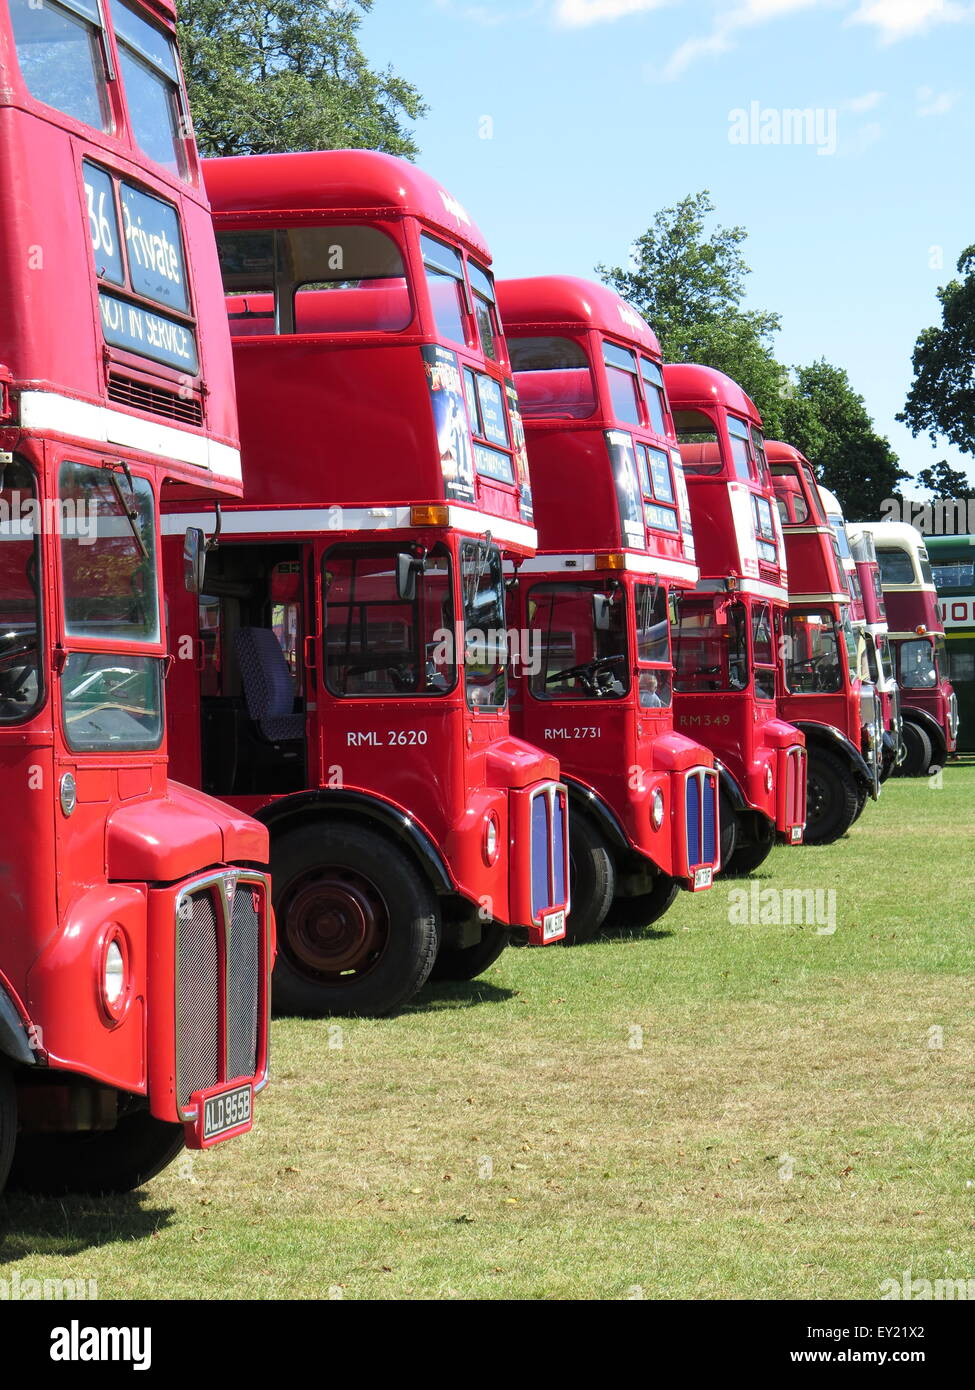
column 689, row 283
column 267, row 76
column 942, row 398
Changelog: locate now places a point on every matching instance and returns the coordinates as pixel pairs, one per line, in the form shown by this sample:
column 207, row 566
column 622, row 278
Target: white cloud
column 899, row 19
column 742, row 14
column 932, row 103
column 579, row 14
column 862, row 140
column 868, row 102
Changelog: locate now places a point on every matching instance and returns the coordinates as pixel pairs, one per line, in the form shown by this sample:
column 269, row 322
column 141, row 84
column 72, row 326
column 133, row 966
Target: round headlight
column 657, row 809
column 492, row 839
column 114, row 983
column 768, row 777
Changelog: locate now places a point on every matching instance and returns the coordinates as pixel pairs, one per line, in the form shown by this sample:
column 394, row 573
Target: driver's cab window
column 21, row 690
column 389, row 621
column 579, row 634
column 813, row 665
column 711, row 644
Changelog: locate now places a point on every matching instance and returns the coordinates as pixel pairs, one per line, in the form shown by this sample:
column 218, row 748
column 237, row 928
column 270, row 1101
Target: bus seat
column 269, row 688
column 567, row 394
column 363, row 310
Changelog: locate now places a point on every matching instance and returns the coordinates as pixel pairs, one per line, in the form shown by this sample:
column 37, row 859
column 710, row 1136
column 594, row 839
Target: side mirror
column 407, row 568
column 600, row 613
column 194, row 559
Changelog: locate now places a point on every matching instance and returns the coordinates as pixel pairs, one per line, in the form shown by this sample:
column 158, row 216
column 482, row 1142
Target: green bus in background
column 953, row 565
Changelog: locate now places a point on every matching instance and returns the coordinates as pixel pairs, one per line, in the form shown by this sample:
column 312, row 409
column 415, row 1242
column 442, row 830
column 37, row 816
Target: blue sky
column 564, row 125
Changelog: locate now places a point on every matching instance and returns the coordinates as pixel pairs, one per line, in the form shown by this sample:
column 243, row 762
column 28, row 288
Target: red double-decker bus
column 351, row 671
column 823, row 689
column 614, row 544
column 137, row 938
column 726, row 639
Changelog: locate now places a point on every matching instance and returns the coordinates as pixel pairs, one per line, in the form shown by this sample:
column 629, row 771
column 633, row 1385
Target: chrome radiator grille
column 221, row 946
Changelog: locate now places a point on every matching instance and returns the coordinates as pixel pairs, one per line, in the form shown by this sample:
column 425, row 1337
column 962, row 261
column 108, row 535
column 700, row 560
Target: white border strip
column 47, row 412
column 247, row 521
column 636, row 564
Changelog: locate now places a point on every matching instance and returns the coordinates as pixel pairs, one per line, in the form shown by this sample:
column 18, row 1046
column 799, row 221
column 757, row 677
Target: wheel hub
column 334, row 923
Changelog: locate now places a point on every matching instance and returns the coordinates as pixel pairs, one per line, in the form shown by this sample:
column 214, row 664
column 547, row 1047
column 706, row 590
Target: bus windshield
column 918, row 670
column 814, row 662
column 21, row 688
column 378, row 642
column 579, row 631
column 485, row 628
column 711, row 644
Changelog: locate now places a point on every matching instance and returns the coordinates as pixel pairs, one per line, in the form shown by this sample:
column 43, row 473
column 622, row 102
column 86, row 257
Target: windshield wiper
column 131, row 515
column 483, row 552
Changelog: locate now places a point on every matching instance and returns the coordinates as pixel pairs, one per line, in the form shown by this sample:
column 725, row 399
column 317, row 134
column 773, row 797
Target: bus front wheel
column 630, row 914
column 467, row 962
column 592, row 882
column 831, row 798
column 8, row 1122
column 919, row 754
column 358, row 927
column 96, row 1164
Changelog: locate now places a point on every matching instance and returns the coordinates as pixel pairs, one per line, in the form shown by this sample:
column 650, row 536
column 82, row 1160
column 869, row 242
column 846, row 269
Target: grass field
column 713, row 1109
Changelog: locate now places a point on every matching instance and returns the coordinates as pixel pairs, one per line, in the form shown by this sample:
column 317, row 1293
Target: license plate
column 796, row 834
column 553, row 925
column 703, row 878
column 227, row 1111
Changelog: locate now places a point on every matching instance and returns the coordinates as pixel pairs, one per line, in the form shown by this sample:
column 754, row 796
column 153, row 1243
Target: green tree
column 267, row 76
column 829, row 422
column 943, row 481
column 689, row 284
column 942, row 398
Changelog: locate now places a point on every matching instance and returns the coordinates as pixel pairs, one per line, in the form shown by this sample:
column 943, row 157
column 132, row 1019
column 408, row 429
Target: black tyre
column 729, row 827
column 862, row 796
column 920, row 754
column 630, row 914
column 99, row 1164
column 8, row 1122
column 467, row 962
column 358, row 927
column 831, row 798
column 747, row 858
column 592, row 882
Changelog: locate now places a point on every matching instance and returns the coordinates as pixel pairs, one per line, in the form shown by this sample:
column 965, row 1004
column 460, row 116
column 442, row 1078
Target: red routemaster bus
column 917, row 645
column 726, row 634
column 351, row 672
column 822, row 691
column 614, row 543
column 136, row 942
column 875, row 630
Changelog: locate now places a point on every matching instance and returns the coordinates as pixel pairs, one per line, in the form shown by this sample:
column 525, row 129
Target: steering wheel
column 588, row 674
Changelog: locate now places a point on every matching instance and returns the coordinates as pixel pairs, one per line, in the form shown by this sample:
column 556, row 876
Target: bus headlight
column 114, row 978
column 768, row 777
column 492, row 839
column 657, row 809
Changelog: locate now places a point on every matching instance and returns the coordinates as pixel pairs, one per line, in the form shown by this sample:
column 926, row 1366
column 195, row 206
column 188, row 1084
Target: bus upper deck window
column 60, row 55
column 621, row 374
column 485, row 311
column 446, row 287
column 553, row 377
column 152, row 88
column 653, row 389
column 895, row 567
column 345, row 279
column 740, row 450
column 698, row 437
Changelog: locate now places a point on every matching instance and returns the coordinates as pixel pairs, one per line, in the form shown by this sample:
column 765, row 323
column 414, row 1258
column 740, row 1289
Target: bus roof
column 778, row 452
column 551, row 301
column 691, row 385
column 948, row 545
column 830, row 502
column 345, row 182
column 897, row 533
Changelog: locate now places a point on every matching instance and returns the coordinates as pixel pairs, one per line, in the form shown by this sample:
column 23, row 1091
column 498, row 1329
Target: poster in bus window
column 450, row 420
column 629, row 494
column 525, row 504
